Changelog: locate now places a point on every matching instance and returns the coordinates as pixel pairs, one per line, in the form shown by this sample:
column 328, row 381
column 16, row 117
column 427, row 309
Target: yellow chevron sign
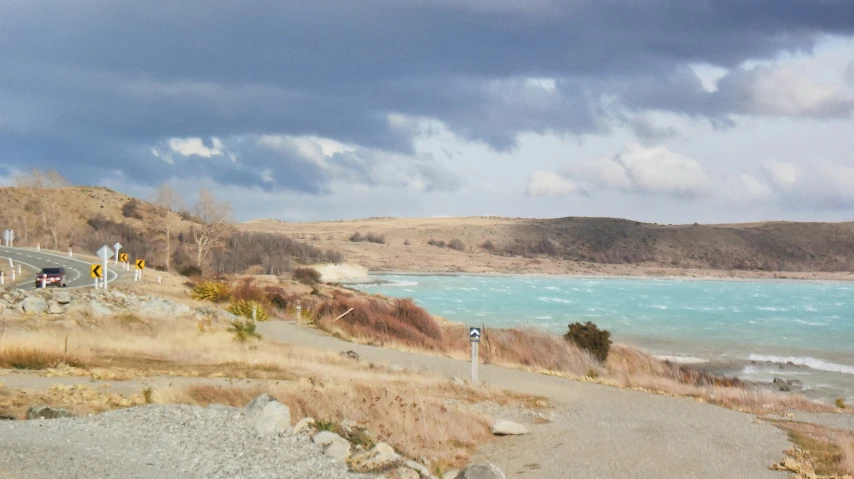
column 95, row 271
column 140, row 264
column 123, row 257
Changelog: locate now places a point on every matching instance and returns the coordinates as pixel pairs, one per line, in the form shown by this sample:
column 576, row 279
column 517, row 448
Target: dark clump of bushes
column 457, row 244
column 454, row 244
column 369, row 237
column 307, row 275
column 590, row 338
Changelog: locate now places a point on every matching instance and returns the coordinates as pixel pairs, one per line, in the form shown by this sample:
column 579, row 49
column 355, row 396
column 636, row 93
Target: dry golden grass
column 31, row 355
column 825, row 450
column 79, row 399
column 407, row 410
column 412, row 417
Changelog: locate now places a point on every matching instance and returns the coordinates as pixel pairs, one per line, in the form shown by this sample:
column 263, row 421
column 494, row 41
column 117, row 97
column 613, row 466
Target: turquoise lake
column 807, row 323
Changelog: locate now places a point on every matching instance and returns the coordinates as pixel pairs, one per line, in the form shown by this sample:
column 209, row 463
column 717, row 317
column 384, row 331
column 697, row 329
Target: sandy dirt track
column 598, row 431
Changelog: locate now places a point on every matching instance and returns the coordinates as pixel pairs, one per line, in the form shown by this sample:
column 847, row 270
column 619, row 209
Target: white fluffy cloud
column 781, row 174
column 194, row 146
column 546, row 183
column 646, row 171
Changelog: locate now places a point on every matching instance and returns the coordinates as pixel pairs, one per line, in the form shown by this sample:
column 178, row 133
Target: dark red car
column 51, row 277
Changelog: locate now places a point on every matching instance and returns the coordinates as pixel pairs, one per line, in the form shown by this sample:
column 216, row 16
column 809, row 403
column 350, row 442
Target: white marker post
column 19, row 269
column 38, row 246
column 105, row 253
column 117, row 246
column 474, row 337
column 13, row 275
column 69, row 252
column 44, row 281
column 2, row 278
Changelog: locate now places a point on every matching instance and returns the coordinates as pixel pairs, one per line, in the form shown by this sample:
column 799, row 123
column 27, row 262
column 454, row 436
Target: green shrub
column 216, row 291
column 307, row 275
column 840, row 403
column 590, row 338
column 243, row 308
column 243, row 330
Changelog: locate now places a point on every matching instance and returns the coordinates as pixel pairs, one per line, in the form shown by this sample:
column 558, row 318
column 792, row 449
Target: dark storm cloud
column 95, row 84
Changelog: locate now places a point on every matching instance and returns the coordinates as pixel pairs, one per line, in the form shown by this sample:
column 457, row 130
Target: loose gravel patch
column 159, row 441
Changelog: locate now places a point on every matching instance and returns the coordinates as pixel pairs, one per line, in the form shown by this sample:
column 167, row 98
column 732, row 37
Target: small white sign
column 105, row 253
column 117, row 246
column 474, row 335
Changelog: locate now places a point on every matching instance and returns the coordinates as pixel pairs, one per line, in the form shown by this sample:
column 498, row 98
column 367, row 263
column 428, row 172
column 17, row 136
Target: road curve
column 77, row 270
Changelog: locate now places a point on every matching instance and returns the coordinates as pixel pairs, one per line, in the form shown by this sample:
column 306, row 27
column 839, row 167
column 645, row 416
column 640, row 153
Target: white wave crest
column 807, row 361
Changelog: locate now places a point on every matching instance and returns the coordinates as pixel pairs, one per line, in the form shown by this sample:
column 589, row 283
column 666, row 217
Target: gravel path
column 158, row 442
column 598, row 431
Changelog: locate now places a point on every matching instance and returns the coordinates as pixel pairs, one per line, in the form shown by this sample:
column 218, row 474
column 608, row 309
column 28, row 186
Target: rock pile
column 97, row 303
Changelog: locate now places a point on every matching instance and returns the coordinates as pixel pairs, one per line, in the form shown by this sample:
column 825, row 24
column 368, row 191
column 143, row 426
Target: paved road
column 77, row 269
column 598, row 431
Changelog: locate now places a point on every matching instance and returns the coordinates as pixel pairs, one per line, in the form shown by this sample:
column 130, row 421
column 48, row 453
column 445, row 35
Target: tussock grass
column 29, row 356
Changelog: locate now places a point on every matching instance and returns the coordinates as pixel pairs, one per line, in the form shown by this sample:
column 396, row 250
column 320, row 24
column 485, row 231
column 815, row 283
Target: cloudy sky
column 657, row 110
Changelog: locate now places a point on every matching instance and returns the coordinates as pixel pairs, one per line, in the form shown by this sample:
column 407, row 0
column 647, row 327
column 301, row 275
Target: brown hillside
column 85, row 218
column 584, row 245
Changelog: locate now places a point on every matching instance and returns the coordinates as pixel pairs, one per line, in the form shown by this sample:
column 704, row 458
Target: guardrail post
column 19, row 269
column 44, row 282
column 13, row 275
column 69, row 252
column 38, row 247
column 2, row 278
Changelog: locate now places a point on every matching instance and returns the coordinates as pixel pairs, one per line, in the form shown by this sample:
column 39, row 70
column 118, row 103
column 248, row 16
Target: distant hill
column 490, row 244
column 87, row 217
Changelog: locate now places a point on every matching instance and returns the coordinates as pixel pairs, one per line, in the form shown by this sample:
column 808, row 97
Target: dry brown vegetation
column 421, row 416
column 402, row 324
column 825, row 450
column 416, row 418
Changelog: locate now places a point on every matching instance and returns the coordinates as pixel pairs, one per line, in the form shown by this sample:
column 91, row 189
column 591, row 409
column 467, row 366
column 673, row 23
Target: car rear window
column 52, row 271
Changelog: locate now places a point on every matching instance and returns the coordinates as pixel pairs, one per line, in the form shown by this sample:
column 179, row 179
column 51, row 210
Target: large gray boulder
column 502, row 427
column 34, row 305
column 481, row 471
column 54, row 308
column 269, row 416
column 62, row 297
column 48, row 412
column 339, row 450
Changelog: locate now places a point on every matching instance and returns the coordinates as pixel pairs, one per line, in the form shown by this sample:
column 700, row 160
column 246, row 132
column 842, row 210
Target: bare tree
column 48, row 209
column 167, row 202
column 214, row 220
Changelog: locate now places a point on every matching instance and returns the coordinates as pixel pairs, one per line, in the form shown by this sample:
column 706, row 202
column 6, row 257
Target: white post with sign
column 117, row 246
column 105, row 253
column 474, row 337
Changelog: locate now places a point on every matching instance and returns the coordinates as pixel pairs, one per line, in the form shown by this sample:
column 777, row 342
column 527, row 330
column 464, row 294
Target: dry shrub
column 307, row 275
column 246, row 290
column 846, row 447
column 384, row 321
column 14, row 356
column 589, row 337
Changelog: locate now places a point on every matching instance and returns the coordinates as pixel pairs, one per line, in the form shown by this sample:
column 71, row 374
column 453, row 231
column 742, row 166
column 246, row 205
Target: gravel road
column 158, row 442
column 598, row 431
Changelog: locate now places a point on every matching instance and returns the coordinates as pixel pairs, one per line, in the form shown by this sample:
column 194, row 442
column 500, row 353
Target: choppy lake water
column 810, row 324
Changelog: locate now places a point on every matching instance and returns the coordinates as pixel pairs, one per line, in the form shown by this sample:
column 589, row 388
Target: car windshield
column 52, row 271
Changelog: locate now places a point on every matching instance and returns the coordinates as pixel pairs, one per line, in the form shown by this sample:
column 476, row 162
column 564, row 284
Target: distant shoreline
column 639, row 277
